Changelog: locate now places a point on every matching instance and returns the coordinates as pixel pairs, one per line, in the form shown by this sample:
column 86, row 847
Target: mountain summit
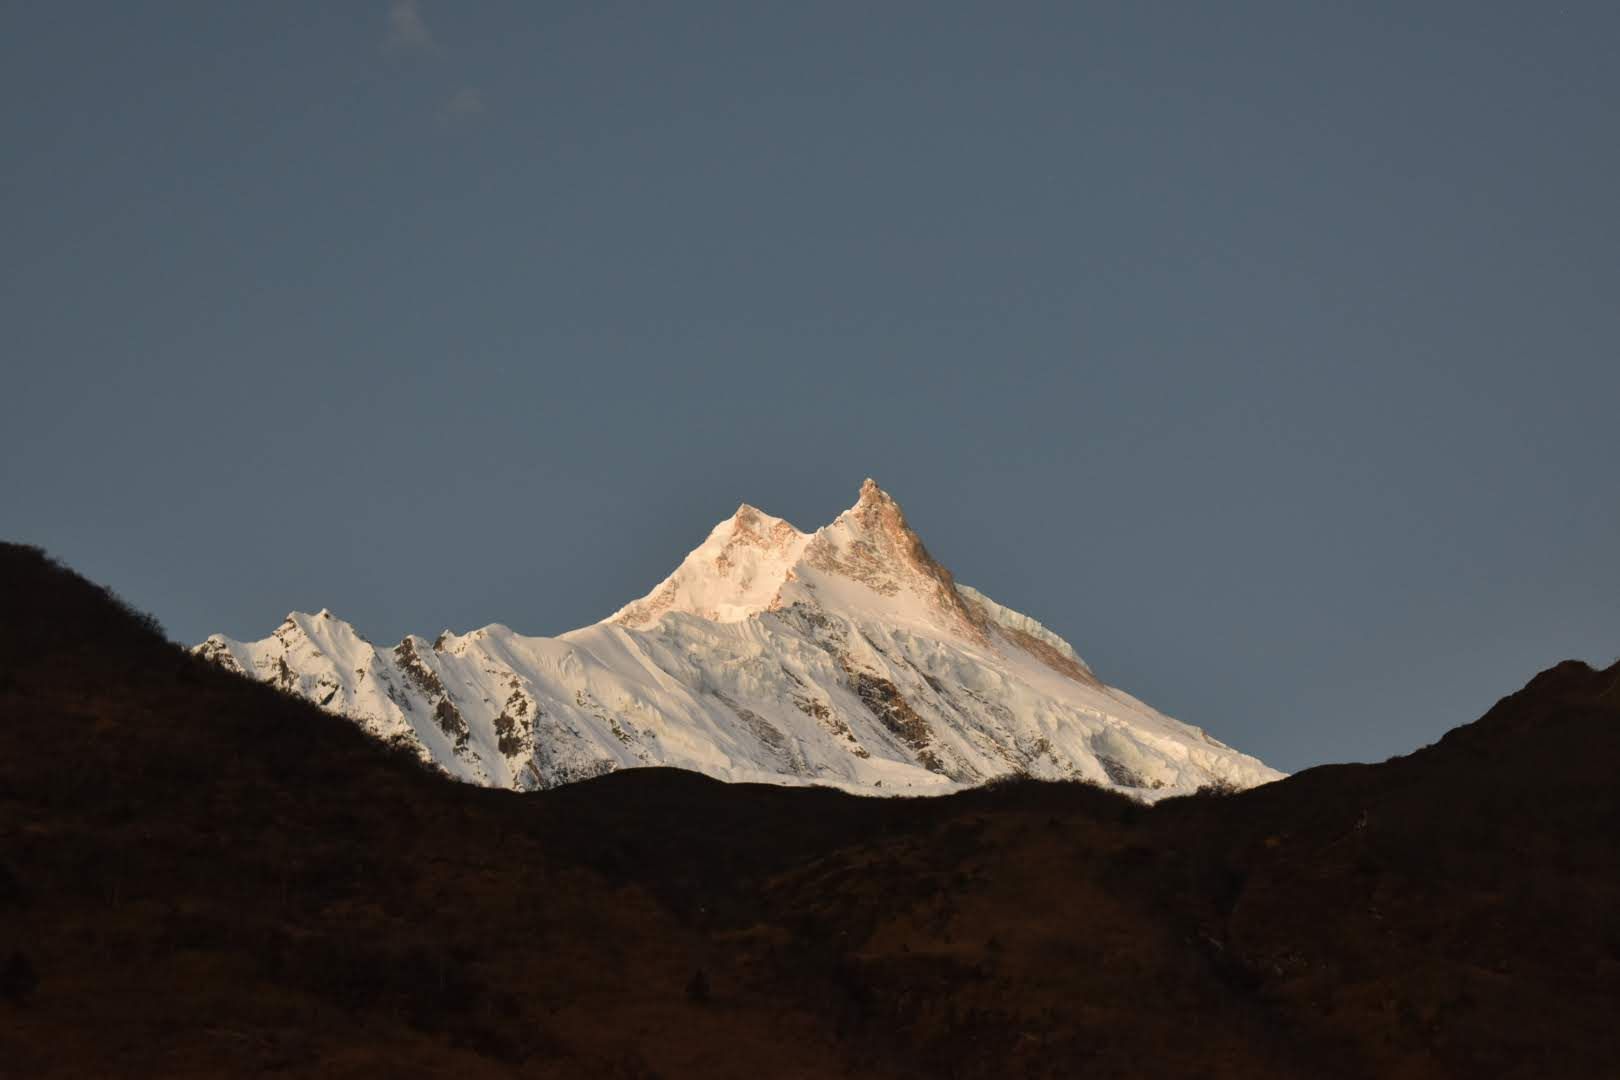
column 754, row 563
column 848, row 656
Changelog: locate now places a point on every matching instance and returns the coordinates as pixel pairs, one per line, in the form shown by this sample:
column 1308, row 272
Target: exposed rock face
column 848, row 656
column 872, row 544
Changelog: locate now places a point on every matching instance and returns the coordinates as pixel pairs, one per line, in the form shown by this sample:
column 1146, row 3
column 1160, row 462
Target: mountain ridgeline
column 202, row 876
column 848, row 657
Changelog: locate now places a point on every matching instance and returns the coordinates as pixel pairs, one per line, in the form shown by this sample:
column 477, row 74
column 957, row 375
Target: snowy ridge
column 847, row 657
column 1013, row 620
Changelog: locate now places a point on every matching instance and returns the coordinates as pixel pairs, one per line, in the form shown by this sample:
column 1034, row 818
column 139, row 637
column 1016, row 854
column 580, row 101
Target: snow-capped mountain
column 846, row 656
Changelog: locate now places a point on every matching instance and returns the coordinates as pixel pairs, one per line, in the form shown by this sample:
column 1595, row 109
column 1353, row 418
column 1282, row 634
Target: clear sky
column 1269, row 352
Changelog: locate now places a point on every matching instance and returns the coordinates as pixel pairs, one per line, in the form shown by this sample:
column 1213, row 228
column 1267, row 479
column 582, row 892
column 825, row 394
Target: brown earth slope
column 201, row 877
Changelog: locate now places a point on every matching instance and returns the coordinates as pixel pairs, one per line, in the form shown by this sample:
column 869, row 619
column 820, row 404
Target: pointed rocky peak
column 875, row 505
column 870, row 492
column 873, row 544
column 875, row 510
column 878, row 519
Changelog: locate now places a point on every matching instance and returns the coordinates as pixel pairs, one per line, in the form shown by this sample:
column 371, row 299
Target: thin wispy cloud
column 406, row 31
column 468, row 101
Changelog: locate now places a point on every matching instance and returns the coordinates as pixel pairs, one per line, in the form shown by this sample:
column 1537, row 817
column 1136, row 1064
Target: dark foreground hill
column 200, row 877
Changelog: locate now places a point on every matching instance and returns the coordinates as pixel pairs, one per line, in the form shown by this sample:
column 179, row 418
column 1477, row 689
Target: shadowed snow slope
column 847, row 657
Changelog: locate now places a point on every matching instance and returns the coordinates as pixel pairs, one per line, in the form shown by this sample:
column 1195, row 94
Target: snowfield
column 845, row 657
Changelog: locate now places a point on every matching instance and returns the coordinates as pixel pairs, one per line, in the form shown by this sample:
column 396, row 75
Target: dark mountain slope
column 199, row 876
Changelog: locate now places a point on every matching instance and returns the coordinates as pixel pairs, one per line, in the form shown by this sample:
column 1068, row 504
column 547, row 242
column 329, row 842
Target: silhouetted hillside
column 200, row 876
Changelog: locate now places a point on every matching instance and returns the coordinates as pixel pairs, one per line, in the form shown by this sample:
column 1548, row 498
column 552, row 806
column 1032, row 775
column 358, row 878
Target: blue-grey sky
column 1270, row 352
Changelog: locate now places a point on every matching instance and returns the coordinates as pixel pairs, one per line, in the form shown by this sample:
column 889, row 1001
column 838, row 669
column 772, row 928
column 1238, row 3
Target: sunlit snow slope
column 847, row 656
